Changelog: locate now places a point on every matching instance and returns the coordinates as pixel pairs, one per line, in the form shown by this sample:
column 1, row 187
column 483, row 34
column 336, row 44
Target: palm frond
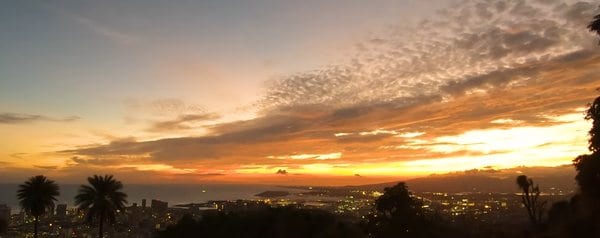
column 101, row 199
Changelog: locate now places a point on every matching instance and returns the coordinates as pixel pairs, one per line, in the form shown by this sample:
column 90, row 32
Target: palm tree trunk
column 100, row 234
column 35, row 226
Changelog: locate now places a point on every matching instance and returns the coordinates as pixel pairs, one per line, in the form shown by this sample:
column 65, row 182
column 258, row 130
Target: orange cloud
column 504, row 91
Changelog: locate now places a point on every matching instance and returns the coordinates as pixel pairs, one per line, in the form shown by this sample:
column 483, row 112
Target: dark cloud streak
column 16, row 118
column 181, row 122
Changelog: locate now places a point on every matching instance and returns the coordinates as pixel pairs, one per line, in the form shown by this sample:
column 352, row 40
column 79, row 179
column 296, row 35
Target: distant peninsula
column 272, row 194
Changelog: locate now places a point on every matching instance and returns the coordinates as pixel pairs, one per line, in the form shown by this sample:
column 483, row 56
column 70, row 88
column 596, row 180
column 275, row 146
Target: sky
column 292, row 92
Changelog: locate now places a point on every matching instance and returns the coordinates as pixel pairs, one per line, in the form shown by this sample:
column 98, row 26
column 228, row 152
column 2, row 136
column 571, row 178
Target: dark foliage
column 558, row 212
column 585, row 207
column 396, row 201
column 593, row 113
column 284, row 222
column 594, row 26
column 36, row 196
column 588, row 166
column 3, row 226
column 573, row 218
column 530, row 199
column 588, row 175
column 398, row 214
column 580, row 217
column 395, row 214
column 101, row 200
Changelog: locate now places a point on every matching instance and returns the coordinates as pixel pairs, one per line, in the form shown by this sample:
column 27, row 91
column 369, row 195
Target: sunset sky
column 291, row 92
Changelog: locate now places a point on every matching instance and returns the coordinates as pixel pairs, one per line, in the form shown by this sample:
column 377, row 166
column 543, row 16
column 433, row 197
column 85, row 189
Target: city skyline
column 292, row 93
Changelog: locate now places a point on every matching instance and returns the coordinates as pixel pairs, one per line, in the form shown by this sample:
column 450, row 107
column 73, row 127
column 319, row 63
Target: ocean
column 172, row 193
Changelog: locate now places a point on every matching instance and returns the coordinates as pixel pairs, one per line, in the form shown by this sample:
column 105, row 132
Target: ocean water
column 171, row 193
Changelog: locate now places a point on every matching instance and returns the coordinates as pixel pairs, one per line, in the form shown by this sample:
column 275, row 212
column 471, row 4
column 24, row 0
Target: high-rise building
column 49, row 213
column 4, row 218
column 159, row 206
column 144, row 203
column 61, row 210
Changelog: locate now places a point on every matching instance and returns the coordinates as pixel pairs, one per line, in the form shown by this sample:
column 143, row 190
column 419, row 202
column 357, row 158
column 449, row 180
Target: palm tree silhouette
column 37, row 195
column 101, row 200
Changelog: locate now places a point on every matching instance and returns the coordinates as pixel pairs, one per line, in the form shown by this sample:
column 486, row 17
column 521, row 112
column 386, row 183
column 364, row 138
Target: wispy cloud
column 476, row 45
column 48, row 167
column 411, row 100
column 183, row 122
column 19, row 156
column 105, row 31
column 17, row 118
column 169, row 106
column 168, row 115
column 327, row 156
column 97, row 27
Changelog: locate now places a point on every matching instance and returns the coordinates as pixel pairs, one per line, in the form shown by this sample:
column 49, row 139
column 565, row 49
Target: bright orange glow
column 303, row 99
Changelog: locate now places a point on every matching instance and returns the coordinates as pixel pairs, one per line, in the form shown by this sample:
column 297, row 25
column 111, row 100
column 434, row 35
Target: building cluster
column 56, row 222
column 64, row 222
column 143, row 221
column 4, row 218
column 489, row 208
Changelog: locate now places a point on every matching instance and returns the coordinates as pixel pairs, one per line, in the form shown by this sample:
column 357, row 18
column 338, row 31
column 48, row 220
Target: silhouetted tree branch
column 530, row 198
column 594, row 26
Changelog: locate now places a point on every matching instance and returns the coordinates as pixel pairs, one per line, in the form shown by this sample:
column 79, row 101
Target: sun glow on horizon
column 545, row 146
column 301, row 98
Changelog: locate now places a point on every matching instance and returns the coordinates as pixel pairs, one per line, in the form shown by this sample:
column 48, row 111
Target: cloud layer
column 16, row 118
column 437, row 96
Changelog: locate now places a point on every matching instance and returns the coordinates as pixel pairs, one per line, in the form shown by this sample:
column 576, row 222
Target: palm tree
column 101, row 200
column 37, row 195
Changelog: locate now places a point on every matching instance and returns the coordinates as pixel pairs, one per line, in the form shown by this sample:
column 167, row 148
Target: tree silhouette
column 529, row 198
column 585, row 206
column 580, row 217
column 588, row 175
column 398, row 214
column 594, row 26
column 101, row 200
column 36, row 196
column 396, row 201
column 588, row 166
